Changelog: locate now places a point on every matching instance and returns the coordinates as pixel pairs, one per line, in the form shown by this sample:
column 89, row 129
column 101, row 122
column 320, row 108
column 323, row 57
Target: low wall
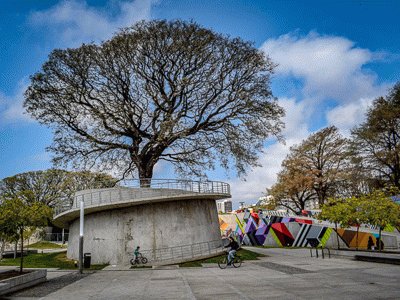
column 260, row 229
column 20, row 282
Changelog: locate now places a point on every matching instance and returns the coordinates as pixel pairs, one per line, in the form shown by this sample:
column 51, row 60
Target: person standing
column 370, row 243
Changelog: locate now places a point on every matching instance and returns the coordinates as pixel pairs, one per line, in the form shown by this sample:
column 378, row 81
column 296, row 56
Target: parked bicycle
column 139, row 259
column 223, row 262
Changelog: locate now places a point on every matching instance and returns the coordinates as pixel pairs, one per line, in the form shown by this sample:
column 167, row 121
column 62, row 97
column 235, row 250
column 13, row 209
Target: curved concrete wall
column 111, row 235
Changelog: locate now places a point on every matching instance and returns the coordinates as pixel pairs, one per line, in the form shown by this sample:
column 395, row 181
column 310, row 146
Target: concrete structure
column 171, row 221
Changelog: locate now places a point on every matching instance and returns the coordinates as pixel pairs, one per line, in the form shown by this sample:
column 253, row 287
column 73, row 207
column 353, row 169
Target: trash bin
column 87, row 257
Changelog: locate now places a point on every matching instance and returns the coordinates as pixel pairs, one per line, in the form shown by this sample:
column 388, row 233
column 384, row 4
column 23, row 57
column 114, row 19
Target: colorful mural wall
column 262, row 228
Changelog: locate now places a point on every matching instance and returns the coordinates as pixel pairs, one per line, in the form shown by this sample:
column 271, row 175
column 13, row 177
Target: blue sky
column 334, row 58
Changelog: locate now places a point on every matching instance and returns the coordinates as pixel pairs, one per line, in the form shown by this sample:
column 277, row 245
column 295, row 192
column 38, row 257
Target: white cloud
column 346, row 116
column 331, row 67
column 75, row 21
column 11, row 109
column 258, row 179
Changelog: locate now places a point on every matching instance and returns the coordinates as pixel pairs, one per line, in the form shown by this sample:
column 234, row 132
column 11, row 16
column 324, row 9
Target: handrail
column 143, row 188
column 322, row 250
column 182, row 252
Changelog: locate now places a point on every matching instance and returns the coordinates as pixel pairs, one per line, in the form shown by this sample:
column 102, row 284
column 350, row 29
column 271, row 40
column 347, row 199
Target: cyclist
column 136, row 253
column 234, row 246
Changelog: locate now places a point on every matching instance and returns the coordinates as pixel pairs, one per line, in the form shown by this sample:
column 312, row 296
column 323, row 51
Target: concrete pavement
column 284, row 274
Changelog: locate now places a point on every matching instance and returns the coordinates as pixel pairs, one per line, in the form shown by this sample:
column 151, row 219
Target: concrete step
column 379, row 259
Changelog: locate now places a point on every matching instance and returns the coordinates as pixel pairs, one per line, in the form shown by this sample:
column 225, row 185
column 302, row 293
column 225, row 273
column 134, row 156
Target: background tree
column 293, row 189
column 53, row 187
column 159, row 90
column 375, row 208
column 320, row 164
column 380, row 210
column 355, row 214
column 17, row 215
column 335, row 211
column 377, row 140
column 7, row 234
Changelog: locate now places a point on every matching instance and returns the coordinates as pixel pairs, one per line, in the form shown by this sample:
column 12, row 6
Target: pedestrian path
column 283, row 274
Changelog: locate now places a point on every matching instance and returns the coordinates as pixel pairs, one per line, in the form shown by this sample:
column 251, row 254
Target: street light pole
column 81, row 237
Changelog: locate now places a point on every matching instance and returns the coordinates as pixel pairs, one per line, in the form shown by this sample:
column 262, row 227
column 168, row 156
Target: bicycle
column 139, row 259
column 223, row 262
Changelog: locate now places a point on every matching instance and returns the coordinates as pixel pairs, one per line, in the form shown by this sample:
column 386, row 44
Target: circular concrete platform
column 171, row 222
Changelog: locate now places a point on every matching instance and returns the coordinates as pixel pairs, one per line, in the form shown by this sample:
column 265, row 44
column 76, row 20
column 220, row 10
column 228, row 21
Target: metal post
column 81, row 238
column 63, row 236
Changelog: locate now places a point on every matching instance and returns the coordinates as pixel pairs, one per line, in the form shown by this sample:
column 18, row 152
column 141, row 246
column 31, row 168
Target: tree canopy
column 377, row 140
column 314, row 169
column 17, row 215
column 375, row 208
column 52, row 187
column 159, row 90
column 293, row 189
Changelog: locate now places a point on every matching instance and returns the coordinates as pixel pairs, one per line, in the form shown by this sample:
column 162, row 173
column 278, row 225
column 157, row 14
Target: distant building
column 265, row 200
column 224, row 206
column 312, row 204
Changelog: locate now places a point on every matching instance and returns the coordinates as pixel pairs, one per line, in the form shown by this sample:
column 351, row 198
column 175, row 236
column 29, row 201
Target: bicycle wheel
column 133, row 261
column 223, row 263
column 237, row 262
column 144, row 260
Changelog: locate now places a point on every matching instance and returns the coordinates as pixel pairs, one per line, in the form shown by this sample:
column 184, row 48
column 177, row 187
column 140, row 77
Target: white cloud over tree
column 72, row 23
column 11, row 110
column 331, row 66
column 76, row 22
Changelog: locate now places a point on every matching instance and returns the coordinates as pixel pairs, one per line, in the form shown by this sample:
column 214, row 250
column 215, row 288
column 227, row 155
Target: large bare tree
column 158, row 90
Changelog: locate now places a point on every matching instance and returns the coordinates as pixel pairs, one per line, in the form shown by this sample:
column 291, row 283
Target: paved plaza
column 284, row 274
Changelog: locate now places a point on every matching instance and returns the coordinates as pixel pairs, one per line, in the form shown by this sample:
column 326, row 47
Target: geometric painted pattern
column 265, row 228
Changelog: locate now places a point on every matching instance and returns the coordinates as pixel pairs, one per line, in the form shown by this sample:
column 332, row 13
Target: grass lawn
column 244, row 255
column 46, row 260
column 46, row 245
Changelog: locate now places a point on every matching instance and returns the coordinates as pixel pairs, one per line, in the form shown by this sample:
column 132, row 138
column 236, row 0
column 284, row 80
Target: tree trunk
column 21, row 231
column 15, row 249
column 358, row 227
column 145, row 174
column 3, row 245
column 380, row 237
column 337, row 236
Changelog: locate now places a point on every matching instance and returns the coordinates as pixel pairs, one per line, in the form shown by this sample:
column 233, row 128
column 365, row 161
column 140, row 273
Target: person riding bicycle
column 234, row 246
column 136, row 252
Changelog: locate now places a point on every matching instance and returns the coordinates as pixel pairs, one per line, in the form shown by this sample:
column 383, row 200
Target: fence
column 152, row 188
column 184, row 252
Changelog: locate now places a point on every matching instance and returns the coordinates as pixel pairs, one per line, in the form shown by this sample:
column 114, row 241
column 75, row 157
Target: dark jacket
column 233, row 245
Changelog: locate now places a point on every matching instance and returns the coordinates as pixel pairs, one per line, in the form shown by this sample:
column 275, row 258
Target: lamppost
column 81, row 237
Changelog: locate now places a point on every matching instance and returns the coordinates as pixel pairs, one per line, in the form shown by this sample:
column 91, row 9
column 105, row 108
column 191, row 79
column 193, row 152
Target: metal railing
column 56, row 237
column 144, row 188
column 179, row 184
column 184, row 252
